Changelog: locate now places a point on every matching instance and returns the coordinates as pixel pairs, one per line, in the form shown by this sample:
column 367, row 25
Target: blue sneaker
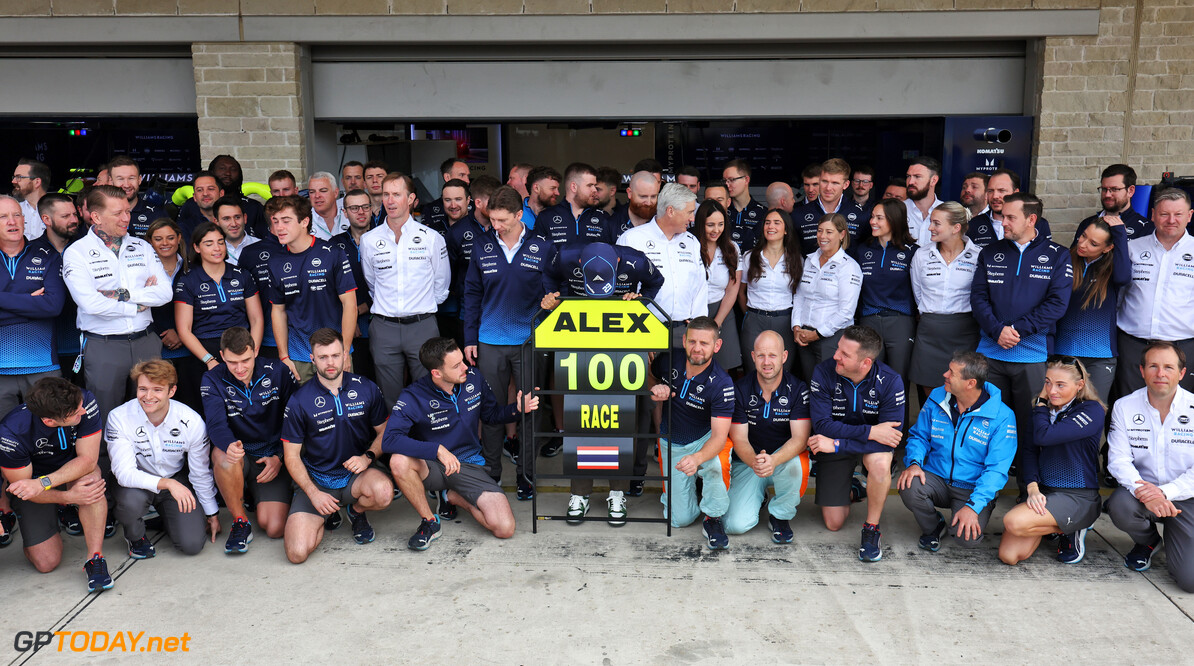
column 239, row 536
column 1071, row 548
column 68, row 518
column 428, row 531
column 97, row 574
column 362, row 531
column 445, row 509
column 8, row 519
column 857, row 490
column 333, row 521
column 526, row 491
column 715, row 533
column 109, row 526
column 932, row 541
column 141, row 549
column 781, row 530
column 871, row 549
column 510, row 448
column 1140, row 558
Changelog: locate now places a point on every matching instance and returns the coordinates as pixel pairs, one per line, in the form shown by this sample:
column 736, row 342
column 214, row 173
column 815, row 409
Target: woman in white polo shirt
column 770, row 274
column 827, row 297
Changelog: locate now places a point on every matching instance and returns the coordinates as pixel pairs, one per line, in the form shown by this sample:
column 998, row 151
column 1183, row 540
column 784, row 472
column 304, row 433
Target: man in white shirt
column 921, row 180
column 1151, row 455
column 1157, row 303
column 327, row 219
column 676, row 253
column 406, row 266
column 150, row 438
column 114, row 279
column 230, row 215
column 29, row 182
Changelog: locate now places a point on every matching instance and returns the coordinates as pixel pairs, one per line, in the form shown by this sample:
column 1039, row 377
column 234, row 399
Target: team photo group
column 219, row 365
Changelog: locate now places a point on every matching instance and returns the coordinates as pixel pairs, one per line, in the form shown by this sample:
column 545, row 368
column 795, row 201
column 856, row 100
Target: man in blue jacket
column 958, row 454
column 432, row 433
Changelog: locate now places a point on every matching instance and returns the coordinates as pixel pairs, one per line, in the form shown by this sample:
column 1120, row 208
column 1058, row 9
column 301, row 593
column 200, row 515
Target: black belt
column 405, row 320
column 127, row 337
column 770, row 313
column 677, row 324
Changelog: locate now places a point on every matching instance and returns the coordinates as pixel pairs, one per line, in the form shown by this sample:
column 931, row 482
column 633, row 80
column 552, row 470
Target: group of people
column 334, row 351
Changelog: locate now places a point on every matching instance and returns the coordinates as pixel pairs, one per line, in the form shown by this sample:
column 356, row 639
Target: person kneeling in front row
column 432, row 434
column 958, row 453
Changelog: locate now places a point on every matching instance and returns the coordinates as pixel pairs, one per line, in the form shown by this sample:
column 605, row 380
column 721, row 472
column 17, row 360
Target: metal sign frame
column 528, row 422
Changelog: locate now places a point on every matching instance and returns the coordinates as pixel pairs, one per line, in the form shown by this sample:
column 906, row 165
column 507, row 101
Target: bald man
column 779, row 195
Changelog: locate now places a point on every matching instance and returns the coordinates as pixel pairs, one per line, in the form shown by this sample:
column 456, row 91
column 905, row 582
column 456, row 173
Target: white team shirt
column 685, row 290
column 941, row 288
column 1157, row 303
column 828, row 295
column 89, row 266
column 143, row 454
column 1143, row 448
column 918, row 224
column 407, row 277
column 319, row 226
column 34, row 227
column 719, row 276
column 771, row 291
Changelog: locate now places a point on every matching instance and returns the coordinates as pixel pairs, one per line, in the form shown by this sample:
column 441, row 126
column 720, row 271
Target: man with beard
column 831, row 198
column 327, row 219
column 609, row 180
column 974, row 193
column 923, row 175
column 641, row 196
column 30, row 180
column 227, row 171
column 331, row 436
column 1116, row 189
column 456, row 202
column 862, row 187
column 543, row 184
column 126, row 175
column 744, row 213
column 200, row 207
column 231, row 218
column 988, row 227
column 61, row 220
column 434, row 214
column 577, row 218
column 461, row 237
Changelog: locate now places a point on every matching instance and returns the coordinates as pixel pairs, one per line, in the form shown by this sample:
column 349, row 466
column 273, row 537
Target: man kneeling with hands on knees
column 432, row 434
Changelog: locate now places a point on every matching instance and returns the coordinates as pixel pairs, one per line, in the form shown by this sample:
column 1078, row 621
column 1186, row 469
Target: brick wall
column 249, row 102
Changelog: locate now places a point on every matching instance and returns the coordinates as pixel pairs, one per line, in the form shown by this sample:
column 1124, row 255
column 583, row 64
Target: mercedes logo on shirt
column 320, row 402
column 1138, row 419
column 381, row 244
column 205, row 287
column 489, row 247
column 140, row 431
column 998, row 256
column 434, row 404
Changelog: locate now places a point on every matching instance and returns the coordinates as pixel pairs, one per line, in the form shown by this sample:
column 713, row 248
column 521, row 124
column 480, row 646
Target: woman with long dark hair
column 720, row 256
column 886, row 303
column 1060, row 466
column 1087, row 330
column 827, row 297
column 941, row 276
column 771, row 271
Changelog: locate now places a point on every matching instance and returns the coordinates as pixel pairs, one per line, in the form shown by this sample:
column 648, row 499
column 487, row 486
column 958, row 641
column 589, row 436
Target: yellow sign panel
column 602, row 324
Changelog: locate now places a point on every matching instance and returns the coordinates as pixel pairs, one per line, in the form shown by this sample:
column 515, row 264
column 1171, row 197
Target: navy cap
column 599, row 262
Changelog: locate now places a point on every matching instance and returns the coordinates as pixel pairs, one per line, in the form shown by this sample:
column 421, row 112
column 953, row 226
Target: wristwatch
column 370, row 455
column 46, row 484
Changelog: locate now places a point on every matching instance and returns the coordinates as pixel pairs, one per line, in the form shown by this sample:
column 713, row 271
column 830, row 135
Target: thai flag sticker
column 596, row 457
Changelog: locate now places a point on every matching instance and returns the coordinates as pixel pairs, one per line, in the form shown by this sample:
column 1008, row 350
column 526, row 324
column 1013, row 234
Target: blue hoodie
column 974, row 454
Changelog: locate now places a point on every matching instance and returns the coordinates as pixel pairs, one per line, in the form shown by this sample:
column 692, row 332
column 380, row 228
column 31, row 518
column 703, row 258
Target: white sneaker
column 617, row 508
column 578, row 507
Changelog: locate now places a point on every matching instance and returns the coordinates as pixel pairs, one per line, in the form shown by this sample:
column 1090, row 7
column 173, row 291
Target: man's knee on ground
column 44, row 560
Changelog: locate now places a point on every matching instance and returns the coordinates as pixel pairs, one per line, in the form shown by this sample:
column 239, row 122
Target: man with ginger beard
column 543, row 185
column 642, row 194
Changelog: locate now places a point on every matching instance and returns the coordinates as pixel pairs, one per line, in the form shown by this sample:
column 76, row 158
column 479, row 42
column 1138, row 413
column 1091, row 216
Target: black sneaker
column 1071, row 548
column 715, row 534
column 1140, row 558
column 109, row 526
column 362, row 531
column 871, row 548
column 636, row 488
column 333, row 521
column 68, row 518
column 97, row 574
column 526, row 491
column 9, row 520
column 781, row 530
column 932, row 541
column 510, row 448
column 428, row 531
column 239, row 536
column 141, row 549
column 857, row 490
column 552, row 448
column 445, row 509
